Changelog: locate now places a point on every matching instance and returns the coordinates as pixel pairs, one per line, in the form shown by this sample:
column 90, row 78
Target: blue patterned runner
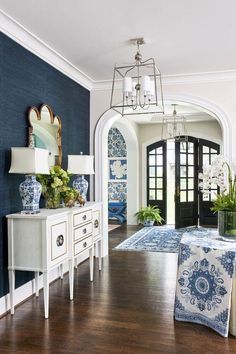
column 157, row 239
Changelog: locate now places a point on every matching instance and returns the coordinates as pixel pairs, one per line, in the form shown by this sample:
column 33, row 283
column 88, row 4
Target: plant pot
column 148, row 223
column 227, row 223
column 53, row 200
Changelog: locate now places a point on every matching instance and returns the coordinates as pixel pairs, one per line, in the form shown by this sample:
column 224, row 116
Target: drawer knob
column 85, row 244
column 96, row 223
column 84, row 230
column 60, row 240
column 84, row 217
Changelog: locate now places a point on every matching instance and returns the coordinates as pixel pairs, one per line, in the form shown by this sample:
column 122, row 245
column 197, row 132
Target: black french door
column 207, row 153
column 186, row 183
column 190, row 204
column 156, row 176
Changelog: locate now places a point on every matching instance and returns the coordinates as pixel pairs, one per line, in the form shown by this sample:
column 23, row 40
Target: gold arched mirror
column 45, row 132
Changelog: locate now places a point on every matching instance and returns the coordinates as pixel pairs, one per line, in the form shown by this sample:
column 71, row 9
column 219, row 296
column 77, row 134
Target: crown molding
column 193, row 78
column 31, row 42
column 28, row 40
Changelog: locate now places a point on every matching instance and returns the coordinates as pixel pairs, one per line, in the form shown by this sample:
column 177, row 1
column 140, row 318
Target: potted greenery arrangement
column 55, row 188
column 148, row 215
column 222, row 174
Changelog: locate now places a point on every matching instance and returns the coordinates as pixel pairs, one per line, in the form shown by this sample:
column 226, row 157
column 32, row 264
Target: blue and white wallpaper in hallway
column 116, row 144
column 117, row 158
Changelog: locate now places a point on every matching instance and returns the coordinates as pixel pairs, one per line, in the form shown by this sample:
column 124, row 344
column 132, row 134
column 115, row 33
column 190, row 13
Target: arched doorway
column 100, row 151
column 101, row 167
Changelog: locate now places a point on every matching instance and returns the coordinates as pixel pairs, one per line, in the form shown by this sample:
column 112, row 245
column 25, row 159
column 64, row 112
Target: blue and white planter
column 148, row 223
column 30, row 192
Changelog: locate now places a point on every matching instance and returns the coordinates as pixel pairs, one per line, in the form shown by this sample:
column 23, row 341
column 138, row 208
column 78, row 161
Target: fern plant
column 149, row 213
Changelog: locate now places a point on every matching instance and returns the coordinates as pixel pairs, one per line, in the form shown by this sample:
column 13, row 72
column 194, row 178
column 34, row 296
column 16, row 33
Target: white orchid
column 220, row 174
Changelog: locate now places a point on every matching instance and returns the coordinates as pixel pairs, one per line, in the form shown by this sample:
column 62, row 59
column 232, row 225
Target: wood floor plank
column 127, row 309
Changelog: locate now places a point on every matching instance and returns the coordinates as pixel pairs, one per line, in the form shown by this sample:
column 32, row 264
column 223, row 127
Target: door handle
column 177, row 191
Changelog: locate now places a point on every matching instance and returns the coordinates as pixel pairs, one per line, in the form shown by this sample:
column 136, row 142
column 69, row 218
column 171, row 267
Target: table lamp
column 29, row 161
column 80, row 165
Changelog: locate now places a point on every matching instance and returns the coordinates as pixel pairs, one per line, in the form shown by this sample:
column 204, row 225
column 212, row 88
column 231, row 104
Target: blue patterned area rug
column 157, row 239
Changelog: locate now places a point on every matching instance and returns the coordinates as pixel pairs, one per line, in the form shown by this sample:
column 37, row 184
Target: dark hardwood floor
column 127, row 309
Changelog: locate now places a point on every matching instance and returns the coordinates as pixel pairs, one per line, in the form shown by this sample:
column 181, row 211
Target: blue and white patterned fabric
column 206, row 267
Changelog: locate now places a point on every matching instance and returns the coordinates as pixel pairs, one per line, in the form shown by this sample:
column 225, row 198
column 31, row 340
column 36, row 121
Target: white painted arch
column 106, row 121
column 101, row 150
column 217, row 112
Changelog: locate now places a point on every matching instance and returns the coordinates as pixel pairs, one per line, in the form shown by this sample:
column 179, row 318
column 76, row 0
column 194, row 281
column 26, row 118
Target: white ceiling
column 184, row 36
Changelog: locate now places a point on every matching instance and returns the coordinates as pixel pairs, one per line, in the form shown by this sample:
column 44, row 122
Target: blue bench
column 116, row 210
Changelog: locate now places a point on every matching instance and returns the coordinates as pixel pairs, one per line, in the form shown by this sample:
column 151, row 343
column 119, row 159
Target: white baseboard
column 28, row 289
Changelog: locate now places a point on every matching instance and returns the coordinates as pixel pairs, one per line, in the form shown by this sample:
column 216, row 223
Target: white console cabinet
column 44, row 241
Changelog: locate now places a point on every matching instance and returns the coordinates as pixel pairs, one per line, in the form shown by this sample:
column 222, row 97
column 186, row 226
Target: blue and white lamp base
column 30, row 192
column 81, row 185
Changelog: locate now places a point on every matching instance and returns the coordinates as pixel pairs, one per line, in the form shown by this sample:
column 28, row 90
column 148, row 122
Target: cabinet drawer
column 58, row 240
column 96, row 223
column 82, row 245
column 83, row 231
column 82, row 217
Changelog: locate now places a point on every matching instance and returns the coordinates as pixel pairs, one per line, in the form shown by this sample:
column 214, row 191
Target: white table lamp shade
column 29, row 161
column 80, row 164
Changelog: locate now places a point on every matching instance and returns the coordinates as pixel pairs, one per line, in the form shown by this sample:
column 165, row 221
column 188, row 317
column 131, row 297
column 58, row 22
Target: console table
column 44, row 241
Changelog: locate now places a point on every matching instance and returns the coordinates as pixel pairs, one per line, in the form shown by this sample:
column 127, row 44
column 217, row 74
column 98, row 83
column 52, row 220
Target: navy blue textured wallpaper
column 26, row 80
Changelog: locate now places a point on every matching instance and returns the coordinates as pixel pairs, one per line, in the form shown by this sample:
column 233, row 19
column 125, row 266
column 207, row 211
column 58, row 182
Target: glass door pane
column 186, row 206
column 156, row 176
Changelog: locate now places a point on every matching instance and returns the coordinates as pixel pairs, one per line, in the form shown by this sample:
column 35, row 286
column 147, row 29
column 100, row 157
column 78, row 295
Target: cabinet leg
column 100, row 254
column 76, row 263
column 91, row 259
column 71, row 278
column 61, row 271
column 46, row 293
column 36, row 276
column 12, row 289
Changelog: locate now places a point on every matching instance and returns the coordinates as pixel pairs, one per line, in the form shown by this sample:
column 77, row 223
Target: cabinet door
column 58, row 241
column 96, row 224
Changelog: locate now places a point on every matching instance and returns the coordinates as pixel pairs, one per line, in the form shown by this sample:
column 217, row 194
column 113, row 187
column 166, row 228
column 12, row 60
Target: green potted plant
column 220, row 173
column 55, row 188
column 148, row 215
